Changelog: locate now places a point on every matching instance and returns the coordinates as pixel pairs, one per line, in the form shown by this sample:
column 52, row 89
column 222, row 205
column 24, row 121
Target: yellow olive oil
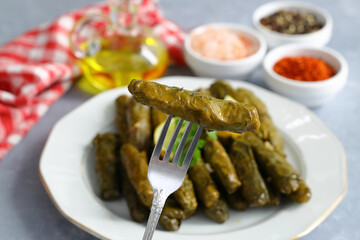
column 121, row 59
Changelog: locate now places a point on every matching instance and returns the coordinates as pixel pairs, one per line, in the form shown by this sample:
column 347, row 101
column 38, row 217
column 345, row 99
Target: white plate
column 66, row 169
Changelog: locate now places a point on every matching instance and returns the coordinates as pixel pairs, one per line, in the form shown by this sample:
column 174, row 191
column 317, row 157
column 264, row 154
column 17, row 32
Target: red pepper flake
column 304, row 68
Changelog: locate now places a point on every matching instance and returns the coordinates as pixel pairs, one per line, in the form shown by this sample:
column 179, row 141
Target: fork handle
column 158, row 203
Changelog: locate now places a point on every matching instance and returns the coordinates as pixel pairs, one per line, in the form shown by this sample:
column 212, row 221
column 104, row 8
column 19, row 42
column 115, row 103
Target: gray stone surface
column 26, row 211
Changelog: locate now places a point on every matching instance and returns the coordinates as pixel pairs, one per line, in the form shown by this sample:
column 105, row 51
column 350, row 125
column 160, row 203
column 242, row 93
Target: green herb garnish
column 199, row 146
column 212, row 135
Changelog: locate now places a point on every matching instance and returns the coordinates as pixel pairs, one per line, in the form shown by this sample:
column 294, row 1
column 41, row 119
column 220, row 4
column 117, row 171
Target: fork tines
column 179, row 150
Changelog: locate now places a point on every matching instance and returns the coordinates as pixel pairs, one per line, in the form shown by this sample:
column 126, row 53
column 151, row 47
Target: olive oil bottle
column 129, row 51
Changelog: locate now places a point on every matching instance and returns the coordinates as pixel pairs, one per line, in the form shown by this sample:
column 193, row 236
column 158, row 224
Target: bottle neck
column 124, row 16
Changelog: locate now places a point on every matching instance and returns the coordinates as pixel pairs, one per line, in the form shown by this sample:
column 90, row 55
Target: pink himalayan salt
column 221, row 44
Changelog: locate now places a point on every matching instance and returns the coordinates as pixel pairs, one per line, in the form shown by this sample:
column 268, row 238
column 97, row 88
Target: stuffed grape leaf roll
column 211, row 113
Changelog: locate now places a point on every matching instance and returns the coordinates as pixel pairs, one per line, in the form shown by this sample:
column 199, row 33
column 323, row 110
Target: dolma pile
column 240, row 170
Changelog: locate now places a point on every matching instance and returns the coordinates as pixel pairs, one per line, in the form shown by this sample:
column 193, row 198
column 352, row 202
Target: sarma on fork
column 211, row 113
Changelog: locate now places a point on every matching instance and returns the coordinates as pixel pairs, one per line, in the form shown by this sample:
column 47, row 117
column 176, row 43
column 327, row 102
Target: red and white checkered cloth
column 37, row 67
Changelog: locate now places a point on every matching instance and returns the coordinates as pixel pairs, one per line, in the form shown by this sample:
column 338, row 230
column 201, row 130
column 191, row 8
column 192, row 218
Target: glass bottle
column 114, row 49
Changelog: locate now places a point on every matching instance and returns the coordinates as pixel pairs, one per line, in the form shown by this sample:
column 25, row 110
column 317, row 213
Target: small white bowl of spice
column 224, row 50
column 285, row 22
column 309, row 75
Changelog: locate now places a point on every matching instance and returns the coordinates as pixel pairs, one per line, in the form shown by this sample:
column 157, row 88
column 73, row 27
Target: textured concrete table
column 26, row 212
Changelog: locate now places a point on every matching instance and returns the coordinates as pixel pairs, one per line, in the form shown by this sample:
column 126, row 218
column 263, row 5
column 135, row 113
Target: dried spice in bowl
column 292, row 22
column 304, row 68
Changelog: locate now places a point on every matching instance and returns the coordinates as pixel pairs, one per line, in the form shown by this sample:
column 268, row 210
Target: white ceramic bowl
column 233, row 69
column 311, row 94
column 319, row 38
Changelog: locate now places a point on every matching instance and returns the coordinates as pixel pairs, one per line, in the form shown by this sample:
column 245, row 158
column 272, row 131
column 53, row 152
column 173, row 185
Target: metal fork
column 166, row 177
